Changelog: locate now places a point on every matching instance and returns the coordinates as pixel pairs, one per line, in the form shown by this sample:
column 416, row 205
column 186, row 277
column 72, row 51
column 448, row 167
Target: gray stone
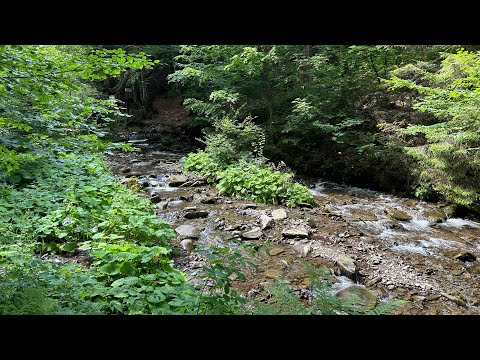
column 311, row 223
column 209, row 200
column 375, row 280
column 177, row 180
column 307, row 249
column 398, row 214
column 295, row 232
column 252, row 234
column 190, row 208
column 196, row 214
column 279, row 214
column 248, row 206
column 266, row 222
column 187, row 231
column 162, row 205
column 367, row 300
column 347, row 267
column 465, row 256
column 187, row 244
column 125, row 170
column 455, row 299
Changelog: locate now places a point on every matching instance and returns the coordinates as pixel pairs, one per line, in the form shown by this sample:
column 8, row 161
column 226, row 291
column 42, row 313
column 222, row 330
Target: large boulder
column 279, row 214
column 366, row 300
column 187, row 231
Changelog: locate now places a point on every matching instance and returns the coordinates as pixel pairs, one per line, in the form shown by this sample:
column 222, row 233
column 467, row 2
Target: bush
column 201, row 163
column 263, row 185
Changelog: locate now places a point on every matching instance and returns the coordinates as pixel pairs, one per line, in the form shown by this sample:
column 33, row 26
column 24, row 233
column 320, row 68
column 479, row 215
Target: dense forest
column 258, row 123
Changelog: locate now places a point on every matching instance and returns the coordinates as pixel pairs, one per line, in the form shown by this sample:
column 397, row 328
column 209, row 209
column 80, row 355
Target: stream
column 401, row 247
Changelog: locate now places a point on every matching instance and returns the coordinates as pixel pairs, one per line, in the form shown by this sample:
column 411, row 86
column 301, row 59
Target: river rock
column 347, row 266
column 279, row 214
column 295, row 232
column 311, row 223
column 437, row 215
column 455, row 299
column 277, row 250
column 187, row 244
column 253, row 234
column 373, row 281
column 125, row 170
column 474, row 269
column 368, row 300
column 398, row 214
column 273, row 273
column 248, row 206
column 177, row 180
column 162, row 205
column 156, row 199
column 187, row 231
column 209, row 200
column 307, row 249
column 196, row 214
column 190, row 208
column 266, row 221
column 465, row 256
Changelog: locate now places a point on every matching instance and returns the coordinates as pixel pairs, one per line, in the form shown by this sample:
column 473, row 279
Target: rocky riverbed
column 391, row 246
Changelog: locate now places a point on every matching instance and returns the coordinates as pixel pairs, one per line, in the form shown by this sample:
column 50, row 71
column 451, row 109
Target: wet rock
column 398, row 214
column 134, row 174
column 248, row 206
column 177, row 180
column 125, row 170
column 295, row 232
column 305, row 205
column 196, row 214
column 311, row 223
column 266, row 222
column 368, row 300
column 279, row 214
column 465, row 256
column 347, row 267
column 162, row 205
column 307, row 249
column 190, row 208
column 187, row 244
column 437, row 215
column 419, row 298
column 252, row 234
column 187, row 231
column 391, row 287
column 237, row 233
column 374, row 281
column 156, row 199
column 455, row 299
column 209, row 200
column 276, row 251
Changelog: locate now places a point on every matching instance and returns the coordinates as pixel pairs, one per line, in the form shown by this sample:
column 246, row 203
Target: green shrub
column 263, row 185
column 201, row 163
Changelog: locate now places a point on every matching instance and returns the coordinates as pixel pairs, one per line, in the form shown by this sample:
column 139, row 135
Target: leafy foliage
column 262, row 185
column 448, row 158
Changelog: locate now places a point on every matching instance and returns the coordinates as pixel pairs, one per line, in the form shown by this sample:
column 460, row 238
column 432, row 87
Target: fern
column 386, row 308
column 283, row 300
